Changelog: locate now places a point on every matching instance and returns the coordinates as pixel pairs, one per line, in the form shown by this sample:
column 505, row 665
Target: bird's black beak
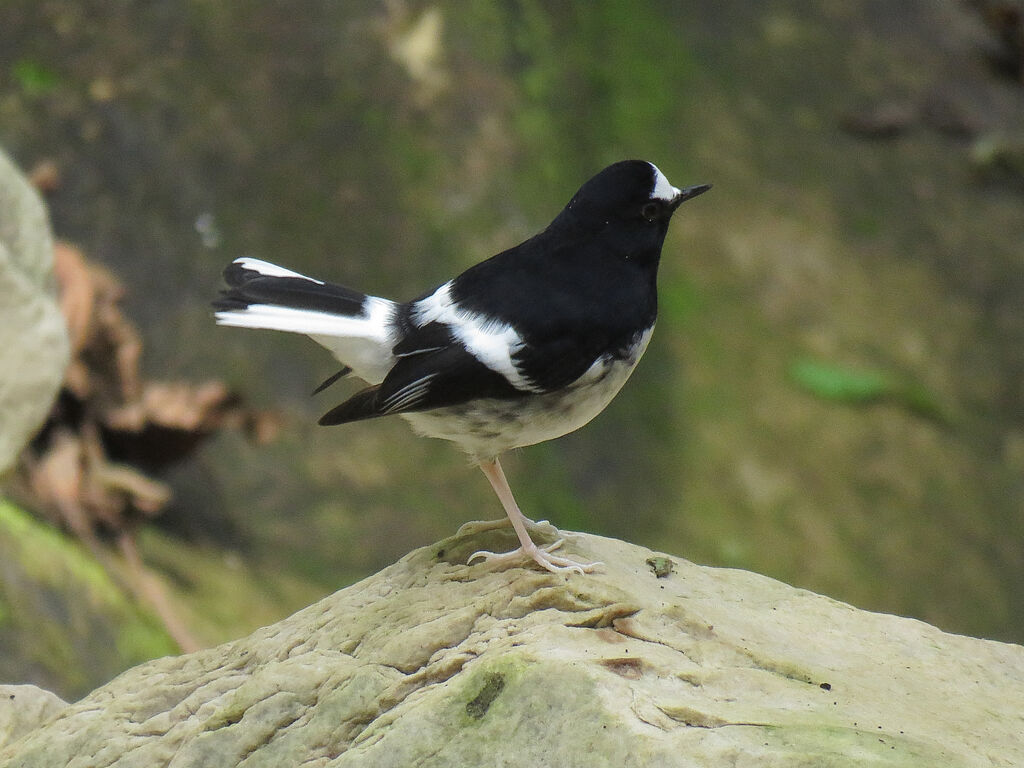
column 689, row 193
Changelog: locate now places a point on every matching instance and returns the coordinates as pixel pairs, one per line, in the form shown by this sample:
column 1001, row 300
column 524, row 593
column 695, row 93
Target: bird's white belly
column 486, row 428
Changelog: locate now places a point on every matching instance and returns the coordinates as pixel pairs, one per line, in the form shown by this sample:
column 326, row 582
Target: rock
column 65, row 622
column 434, row 663
column 23, row 708
column 33, row 338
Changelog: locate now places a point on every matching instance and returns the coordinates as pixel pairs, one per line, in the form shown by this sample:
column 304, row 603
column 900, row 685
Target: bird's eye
column 651, row 210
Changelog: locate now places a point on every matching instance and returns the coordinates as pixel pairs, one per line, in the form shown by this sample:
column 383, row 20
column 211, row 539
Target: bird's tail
column 357, row 328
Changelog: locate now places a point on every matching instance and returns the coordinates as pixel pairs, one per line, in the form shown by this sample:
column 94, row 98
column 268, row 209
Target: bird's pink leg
column 540, row 555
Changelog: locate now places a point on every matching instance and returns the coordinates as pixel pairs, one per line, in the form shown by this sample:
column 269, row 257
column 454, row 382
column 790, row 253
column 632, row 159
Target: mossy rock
column 435, row 663
column 64, row 624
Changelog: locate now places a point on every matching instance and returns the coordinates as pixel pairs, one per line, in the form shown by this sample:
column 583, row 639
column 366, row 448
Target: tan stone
column 33, row 337
column 434, row 663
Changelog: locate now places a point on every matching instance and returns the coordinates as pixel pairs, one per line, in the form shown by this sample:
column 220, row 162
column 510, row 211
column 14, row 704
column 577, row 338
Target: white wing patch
column 490, row 341
column 435, row 307
column 663, row 190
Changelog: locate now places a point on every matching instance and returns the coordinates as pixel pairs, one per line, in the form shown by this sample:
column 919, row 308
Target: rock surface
column 24, row 708
column 434, row 663
column 33, row 338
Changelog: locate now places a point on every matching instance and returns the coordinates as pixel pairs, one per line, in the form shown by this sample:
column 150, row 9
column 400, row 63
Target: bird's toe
column 540, row 555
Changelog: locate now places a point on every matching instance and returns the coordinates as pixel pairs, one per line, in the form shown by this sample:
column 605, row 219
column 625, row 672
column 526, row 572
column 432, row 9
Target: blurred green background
column 834, row 394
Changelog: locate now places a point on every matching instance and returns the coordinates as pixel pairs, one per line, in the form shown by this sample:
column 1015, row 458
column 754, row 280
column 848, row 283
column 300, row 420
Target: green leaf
column 834, row 382
column 35, row 79
column 846, row 385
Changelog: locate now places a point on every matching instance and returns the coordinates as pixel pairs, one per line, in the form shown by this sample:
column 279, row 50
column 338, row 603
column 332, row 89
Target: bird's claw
column 540, row 555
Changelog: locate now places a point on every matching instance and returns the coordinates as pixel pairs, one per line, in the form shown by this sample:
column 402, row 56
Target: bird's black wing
column 345, row 371
column 555, row 362
column 423, row 339
column 571, row 303
column 431, row 377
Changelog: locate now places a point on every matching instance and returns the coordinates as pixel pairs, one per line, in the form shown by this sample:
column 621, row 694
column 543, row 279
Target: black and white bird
column 524, row 347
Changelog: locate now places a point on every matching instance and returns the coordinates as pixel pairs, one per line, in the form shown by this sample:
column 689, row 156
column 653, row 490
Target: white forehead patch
column 662, row 189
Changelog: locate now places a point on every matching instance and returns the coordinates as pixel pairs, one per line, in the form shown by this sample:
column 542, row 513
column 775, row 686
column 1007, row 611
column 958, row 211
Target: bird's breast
column 487, row 427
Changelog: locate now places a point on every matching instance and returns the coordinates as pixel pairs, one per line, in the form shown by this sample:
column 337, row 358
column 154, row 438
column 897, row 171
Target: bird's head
column 630, row 204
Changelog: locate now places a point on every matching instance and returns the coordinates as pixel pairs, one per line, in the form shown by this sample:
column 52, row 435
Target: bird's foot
column 540, row 555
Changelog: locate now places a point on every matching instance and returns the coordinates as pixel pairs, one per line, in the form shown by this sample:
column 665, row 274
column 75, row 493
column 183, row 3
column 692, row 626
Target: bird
column 523, row 347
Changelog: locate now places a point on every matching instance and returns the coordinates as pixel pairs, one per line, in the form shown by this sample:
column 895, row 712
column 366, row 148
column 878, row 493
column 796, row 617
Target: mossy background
column 833, row 396
column 63, row 622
